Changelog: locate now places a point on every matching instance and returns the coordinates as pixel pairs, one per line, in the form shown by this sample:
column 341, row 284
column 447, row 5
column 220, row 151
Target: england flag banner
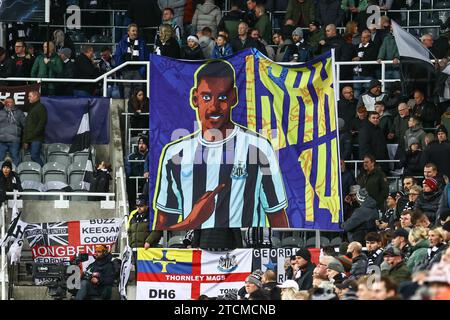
column 185, row 274
column 59, row 242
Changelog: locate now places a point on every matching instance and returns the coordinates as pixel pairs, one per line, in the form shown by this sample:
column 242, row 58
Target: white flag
column 13, row 239
column 125, row 272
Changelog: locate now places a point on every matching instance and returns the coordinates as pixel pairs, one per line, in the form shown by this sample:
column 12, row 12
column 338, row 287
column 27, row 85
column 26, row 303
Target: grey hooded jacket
column 12, row 122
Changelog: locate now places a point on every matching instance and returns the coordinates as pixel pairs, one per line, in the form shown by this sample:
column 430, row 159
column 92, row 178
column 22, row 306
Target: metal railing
column 103, row 77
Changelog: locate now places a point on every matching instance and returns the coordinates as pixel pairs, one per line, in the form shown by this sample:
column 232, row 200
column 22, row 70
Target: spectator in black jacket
column 217, row 239
column 193, row 50
column 365, row 51
column 438, row 152
column 374, row 181
column 85, row 68
column 22, row 61
column 424, row 110
column 146, row 14
column 230, row 21
column 428, row 201
column 412, row 162
column 375, row 249
column 269, row 283
column 359, row 260
column 99, row 276
column 66, row 89
column 166, row 44
column 101, row 178
column 363, row 218
column 303, row 269
column 372, row 139
column 386, row 121
column 345, row 141
column 6, row 66
column 9, row 180
column 329, row 12
column 332, row 41
column 347, row 106
column 243, row 40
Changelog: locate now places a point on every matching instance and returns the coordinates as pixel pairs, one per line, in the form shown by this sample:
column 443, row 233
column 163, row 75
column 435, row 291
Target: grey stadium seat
column 176, row 242
column 81, row 157
column 311, row 242
column 77, row 187
column 54, row 171
column 29, row 171
column 292, row 242
column 336, row 242
column 32, row 186
column 75, row 173
column 58, row 152
column 276, row 243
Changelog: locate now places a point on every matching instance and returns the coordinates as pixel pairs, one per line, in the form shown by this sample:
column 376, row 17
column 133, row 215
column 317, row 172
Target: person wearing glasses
column 22, row 61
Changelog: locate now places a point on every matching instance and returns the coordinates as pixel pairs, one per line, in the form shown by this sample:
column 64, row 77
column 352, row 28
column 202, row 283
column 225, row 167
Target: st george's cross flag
column 185, row 274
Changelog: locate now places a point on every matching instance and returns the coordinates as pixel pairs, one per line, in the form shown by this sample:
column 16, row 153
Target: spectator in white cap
column 288, row 289
column 193, row 50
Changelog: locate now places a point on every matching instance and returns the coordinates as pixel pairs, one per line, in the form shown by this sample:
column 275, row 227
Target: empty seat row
column 52, row 171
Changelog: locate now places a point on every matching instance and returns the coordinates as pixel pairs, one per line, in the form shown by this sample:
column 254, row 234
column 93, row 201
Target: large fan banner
column 243, row 142
column 185, row 274
column 59, row 242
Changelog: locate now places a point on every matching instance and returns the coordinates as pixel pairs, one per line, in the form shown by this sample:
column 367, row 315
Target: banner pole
column 336, row 98
column 4, row 262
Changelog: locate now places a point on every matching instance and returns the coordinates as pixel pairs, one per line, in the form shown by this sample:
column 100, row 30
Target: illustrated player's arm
column 278, row 219
column 201, row 211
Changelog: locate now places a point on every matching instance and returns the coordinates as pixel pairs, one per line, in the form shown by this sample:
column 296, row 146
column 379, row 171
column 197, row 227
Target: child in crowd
column 222, row 48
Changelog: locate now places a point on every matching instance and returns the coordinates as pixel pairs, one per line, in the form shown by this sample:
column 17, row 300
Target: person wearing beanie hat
column 9, row 180
column 301, row 51
column 363, row 218
column 253, row 288
column 193, row 51
column 303, row 269
column 428, row 200
column 372, row 95
column 315, row 35
column 139, row 230
column 135, row 168
column 335, row 272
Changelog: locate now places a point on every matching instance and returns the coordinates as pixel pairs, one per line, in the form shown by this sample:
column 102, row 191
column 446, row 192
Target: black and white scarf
column 133, row 50
column 374, row 256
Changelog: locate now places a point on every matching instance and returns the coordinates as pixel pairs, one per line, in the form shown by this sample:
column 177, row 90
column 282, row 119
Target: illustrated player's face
column 214, row 98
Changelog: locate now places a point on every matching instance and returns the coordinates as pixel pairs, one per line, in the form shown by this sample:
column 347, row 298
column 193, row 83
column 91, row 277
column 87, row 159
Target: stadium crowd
column 399, row 234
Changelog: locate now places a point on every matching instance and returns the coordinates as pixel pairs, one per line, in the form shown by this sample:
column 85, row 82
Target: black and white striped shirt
column 245, row 162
